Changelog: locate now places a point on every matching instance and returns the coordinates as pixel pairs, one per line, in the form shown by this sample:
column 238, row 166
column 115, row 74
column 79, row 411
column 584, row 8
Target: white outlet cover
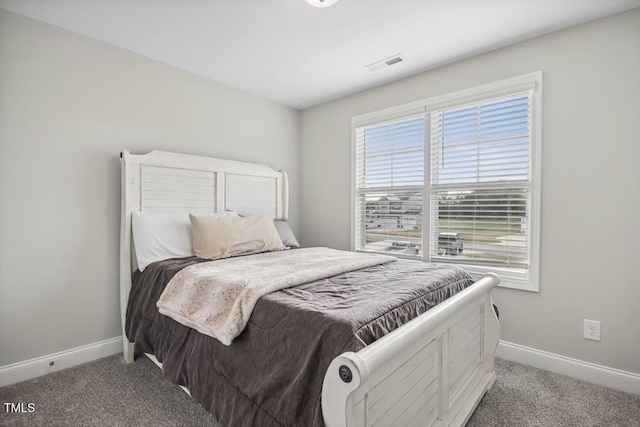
column 592, row 330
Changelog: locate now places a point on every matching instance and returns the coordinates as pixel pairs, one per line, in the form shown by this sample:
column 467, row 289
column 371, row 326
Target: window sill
column 509, row 278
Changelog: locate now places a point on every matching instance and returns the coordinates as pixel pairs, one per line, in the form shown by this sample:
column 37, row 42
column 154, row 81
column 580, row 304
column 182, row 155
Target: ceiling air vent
column 386, row 63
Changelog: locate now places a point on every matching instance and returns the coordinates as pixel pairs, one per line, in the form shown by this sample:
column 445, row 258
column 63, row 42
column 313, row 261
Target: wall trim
column 586, row 371
column 32, row 368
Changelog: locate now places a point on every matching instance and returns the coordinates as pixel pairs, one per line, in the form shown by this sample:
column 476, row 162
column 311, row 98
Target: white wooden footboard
column 433, row 370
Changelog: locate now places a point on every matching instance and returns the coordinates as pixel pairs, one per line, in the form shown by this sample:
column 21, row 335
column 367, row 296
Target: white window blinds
column 389, row 175
column 480, row 183
column 458, row 173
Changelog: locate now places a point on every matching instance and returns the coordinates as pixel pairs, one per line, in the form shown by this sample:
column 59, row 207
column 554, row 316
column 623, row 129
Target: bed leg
column 127, row 352
column 492, row 382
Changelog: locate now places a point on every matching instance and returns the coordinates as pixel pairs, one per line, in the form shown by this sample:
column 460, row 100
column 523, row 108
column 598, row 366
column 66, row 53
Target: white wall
column 591, row 182
column 68, row 105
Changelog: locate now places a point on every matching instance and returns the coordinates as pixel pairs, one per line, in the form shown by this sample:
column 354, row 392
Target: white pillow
column 160, row 236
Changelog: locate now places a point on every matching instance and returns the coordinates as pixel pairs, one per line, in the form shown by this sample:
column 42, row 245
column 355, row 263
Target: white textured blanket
column 217, row 298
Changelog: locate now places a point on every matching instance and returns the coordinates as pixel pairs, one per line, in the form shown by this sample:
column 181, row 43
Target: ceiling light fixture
column 322, row 3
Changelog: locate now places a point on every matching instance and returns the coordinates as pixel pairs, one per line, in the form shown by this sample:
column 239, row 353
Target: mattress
column 272, row 373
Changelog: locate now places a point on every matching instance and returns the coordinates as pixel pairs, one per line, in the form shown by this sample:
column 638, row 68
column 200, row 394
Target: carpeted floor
column 109, row 392
column 525, row 396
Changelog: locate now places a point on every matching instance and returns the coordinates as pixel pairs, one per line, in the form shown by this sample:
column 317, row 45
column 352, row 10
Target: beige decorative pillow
column 221, row 237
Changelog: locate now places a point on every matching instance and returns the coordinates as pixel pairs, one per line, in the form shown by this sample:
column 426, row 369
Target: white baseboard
column 586, row 371
column 22, row 371
column 574, row 368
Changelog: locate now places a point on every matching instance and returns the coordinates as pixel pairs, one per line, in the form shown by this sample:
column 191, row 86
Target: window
column 454, row 179
column 389, row 186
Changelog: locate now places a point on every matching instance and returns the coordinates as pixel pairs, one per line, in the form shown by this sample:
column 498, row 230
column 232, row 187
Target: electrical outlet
column 592, row 330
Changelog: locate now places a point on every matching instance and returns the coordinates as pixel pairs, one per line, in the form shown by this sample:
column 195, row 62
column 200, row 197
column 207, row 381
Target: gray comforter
column 272, row 373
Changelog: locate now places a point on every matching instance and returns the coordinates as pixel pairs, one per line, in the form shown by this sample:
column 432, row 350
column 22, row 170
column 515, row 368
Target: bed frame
column 432, row 371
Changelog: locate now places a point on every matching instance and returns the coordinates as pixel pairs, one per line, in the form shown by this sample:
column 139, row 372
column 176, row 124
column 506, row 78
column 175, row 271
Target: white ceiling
column 299, row 55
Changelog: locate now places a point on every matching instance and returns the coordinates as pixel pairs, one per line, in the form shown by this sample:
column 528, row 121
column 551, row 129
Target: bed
column 432, row 370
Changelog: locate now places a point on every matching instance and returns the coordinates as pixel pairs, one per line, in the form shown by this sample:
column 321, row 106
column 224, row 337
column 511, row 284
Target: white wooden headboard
column 170, row 182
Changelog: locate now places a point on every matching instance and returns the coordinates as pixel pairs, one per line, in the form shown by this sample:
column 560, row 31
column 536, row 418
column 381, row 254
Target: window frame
column 509, row 278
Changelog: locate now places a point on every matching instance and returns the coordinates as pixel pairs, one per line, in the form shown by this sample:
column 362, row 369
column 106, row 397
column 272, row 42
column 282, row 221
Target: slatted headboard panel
column 166, row 189
column 170, row 182
column 251, row 195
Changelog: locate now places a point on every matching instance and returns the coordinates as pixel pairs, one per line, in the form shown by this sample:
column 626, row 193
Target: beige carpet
column 109, row 392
